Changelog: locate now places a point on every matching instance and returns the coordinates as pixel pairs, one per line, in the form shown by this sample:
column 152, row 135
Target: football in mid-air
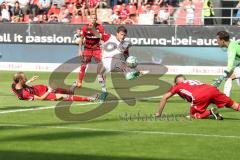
column 132, row 62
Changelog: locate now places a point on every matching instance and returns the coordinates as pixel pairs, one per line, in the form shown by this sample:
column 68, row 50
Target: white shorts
column 237, row 72
column 112, row 64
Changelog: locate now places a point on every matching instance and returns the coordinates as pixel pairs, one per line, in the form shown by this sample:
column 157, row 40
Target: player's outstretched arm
column 32, row 79
column 163, row 103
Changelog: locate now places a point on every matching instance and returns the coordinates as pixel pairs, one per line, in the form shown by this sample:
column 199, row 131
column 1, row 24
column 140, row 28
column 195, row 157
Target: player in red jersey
column 23, row 91
column 90, row 38
column 200, row 95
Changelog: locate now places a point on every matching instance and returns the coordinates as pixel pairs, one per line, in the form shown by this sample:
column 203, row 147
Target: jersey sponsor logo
column 110, row 46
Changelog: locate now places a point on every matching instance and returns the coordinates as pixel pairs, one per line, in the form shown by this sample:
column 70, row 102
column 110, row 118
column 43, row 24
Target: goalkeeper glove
column 219, row 80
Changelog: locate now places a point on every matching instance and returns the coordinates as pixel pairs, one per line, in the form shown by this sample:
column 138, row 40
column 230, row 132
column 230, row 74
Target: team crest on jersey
column 110, row 46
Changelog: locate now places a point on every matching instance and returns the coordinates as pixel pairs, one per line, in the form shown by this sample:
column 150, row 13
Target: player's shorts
column 214, row 96
column 51, row 97
column 89, row 54
column 112, row 64
column 237, row 72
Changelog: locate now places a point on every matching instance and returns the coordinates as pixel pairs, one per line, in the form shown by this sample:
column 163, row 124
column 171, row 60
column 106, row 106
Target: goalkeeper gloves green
column 219, row 80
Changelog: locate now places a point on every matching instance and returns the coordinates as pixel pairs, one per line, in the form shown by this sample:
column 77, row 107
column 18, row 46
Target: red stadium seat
column 85, row 20
column 76, row 20
column 26, row 18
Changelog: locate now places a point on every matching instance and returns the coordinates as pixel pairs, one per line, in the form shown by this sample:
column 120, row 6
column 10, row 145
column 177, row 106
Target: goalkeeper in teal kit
column 232, row 71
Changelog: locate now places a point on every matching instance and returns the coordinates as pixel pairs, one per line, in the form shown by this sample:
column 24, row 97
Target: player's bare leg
column 81, row 75
column 67, row 97
column 236, row 106
column 102, row 82
column 201, row 115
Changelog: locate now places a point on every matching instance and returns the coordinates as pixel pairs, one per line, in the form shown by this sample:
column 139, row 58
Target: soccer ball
column 132, row 62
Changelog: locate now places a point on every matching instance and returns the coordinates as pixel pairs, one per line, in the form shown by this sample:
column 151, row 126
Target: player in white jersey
column 114, row 55
column 115, row 50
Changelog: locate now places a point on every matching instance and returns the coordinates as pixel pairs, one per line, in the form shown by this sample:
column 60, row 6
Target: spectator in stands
column 132, row 19
column 53, row 18
column 44, row 5
column 33, row 7
column 59, row 3
column 77, row 9
column 208, row 12
column 173, row 3
column 64, row 15
column 24, row 5
column 120, row 2
column 5, row 13
column 124, row 12
column 115, row 17
column 190, row 8
column 163, row 15
column 10, row 4
column 148, row 9
column 17, row 12
column 54, row 10
column 159, row 2
column 103, row 4
column 44, row 18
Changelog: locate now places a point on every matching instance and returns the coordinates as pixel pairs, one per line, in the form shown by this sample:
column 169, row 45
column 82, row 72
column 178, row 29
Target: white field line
column 125, row 131
column 80, row 104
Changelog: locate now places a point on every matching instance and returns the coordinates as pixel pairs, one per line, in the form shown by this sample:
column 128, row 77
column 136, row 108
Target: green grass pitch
column 38, row 134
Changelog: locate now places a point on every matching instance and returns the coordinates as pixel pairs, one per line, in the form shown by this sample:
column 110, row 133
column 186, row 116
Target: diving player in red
column 90, row 38
column 200, row 95
column 24, row 91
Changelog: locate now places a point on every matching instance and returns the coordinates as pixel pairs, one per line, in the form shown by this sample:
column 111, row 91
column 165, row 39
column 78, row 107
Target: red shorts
column 88, row 54
column 213, row 95
column 51, row 97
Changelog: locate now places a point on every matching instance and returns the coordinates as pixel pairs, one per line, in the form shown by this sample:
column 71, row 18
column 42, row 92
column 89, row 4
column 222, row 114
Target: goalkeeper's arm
column 230, row 67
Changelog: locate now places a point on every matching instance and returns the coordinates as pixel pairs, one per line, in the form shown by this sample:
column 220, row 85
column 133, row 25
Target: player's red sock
column 76, row 98
column 202, row 115
column 82, row 72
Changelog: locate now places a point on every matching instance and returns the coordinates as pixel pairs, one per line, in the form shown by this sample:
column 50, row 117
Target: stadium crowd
column 108, row 11
column 77, row 11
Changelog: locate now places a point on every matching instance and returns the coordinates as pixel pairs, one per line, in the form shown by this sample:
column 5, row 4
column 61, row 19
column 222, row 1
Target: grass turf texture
column 39, row 134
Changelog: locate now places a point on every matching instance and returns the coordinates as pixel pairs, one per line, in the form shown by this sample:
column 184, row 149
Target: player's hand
column 33, row 79
column 217, row 82
column 50, row 89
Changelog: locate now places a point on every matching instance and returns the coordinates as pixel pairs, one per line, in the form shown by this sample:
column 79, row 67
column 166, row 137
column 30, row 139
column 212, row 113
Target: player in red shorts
column 23, row 91
column 200, row 95
column 90, row 38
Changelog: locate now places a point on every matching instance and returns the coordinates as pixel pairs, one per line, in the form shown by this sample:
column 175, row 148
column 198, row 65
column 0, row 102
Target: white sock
column 102, row 82
column 228, row 87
